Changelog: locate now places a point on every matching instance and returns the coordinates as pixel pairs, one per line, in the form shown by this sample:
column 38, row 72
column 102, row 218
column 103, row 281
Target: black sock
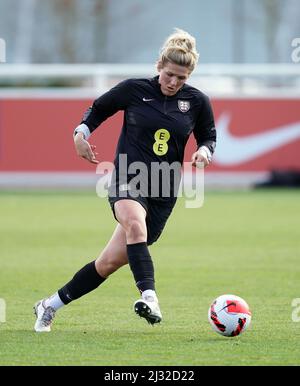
column 141, row 265
column 83, row 282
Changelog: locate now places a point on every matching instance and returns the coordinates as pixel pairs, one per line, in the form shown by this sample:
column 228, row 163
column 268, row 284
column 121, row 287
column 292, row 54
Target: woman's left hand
column 200, row 157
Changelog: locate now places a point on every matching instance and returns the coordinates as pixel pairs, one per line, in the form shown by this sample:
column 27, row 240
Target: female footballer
column 159, row 116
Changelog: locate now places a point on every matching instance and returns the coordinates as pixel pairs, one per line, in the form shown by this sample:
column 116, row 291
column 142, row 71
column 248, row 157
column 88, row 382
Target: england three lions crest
column 184, row 106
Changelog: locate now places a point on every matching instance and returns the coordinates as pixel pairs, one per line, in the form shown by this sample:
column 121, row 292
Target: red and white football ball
column 229, row 315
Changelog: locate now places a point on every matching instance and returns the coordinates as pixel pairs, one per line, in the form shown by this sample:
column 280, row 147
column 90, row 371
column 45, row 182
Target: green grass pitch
column 245, row 243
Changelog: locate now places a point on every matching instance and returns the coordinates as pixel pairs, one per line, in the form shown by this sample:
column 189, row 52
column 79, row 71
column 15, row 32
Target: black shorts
column 158, row 211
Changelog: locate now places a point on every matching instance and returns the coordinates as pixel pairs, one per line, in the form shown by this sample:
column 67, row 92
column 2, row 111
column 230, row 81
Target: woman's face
column 172, row 77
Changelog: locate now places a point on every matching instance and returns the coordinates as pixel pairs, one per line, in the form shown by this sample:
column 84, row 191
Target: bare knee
column 131, row 215
column 136, row 231
column 106, row 265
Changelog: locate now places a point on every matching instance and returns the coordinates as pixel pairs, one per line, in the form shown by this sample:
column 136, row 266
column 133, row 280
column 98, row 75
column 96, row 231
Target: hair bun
column 180, row 48
column 182, row 39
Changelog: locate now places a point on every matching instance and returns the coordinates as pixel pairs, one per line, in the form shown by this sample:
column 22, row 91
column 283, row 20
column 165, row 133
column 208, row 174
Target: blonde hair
column 180, row 48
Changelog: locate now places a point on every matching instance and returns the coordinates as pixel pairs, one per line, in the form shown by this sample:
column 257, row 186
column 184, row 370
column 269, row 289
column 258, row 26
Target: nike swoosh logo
column 233, row 150
column 147, row 100
column 227, row 305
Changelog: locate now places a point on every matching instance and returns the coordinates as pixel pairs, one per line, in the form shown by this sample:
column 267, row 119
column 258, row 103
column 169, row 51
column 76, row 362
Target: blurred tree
column 25, row 31
column 273, row 14
column 238, row 31
column 66, row 12
column 70, row 31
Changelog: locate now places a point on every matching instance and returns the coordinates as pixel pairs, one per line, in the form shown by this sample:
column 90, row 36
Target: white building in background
column 131, row 31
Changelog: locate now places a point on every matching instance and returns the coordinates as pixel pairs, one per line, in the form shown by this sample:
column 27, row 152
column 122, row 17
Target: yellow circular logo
column 160, row 146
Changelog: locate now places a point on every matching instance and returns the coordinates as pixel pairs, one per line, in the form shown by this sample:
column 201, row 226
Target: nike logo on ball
column 233, row 150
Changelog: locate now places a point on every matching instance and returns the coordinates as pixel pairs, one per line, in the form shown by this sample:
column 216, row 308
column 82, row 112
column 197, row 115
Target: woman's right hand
column 84, row 149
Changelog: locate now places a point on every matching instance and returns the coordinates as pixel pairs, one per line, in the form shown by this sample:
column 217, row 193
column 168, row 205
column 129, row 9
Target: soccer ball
column 229, row 315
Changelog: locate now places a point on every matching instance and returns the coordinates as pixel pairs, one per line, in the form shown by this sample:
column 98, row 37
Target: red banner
column 253, row 135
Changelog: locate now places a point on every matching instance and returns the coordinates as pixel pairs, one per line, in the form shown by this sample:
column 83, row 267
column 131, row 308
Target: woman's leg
column 132, row 217
column 114, row 255
column 84, row 281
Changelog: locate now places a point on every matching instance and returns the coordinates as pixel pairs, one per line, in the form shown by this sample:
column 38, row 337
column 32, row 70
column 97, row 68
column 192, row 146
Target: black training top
column 156, row 127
